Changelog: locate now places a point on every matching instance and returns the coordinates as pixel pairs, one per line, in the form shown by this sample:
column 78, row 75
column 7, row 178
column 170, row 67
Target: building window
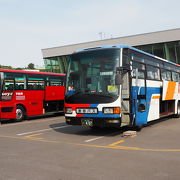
column 159, row 50
column 178, row 52
column 147, row 48
column 170, row 51
column 48, row 65
column 57, row 64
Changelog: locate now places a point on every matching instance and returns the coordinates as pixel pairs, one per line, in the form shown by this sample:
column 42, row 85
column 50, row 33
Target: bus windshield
column 93, row 72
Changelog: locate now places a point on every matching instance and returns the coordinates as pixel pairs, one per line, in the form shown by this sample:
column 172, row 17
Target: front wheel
column 20, row 113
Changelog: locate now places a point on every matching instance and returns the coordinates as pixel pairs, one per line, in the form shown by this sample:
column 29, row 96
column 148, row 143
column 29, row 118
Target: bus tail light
column 111, row 110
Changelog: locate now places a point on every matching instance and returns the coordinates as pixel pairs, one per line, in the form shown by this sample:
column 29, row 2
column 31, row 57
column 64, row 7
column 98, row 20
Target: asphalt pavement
column 47, row 148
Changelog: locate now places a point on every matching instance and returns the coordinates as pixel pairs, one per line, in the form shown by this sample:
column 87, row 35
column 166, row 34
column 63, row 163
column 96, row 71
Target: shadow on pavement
column 32, row 118
column 87, row 131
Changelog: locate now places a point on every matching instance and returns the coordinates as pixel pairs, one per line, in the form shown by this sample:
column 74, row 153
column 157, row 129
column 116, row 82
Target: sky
column 27, row 26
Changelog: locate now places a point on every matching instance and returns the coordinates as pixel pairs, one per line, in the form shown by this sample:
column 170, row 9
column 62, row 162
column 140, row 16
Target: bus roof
column 31, row 72
column 115, row 46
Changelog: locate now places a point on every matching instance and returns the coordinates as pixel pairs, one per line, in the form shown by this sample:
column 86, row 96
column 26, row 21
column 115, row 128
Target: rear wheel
column 20, row 113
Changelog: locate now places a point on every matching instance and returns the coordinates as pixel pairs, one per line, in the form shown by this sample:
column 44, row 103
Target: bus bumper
column 7, row 111
column 94, row 122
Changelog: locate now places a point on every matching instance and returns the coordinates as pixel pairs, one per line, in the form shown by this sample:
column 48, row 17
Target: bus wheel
column 20, row 113
column 178, row 111
column 138, row 127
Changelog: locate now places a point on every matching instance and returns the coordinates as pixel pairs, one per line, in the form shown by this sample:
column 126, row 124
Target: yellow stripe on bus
column 156, row 97
column 170, row 90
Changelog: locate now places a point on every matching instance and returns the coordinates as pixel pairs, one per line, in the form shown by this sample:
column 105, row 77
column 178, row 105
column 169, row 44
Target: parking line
column 93, row 139
column 33, row 136
column 91, row 145
column 116, row 143
column 42, row 130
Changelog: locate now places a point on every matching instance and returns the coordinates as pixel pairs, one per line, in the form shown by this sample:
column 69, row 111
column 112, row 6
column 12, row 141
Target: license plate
column 87, row 122
column 86, row 110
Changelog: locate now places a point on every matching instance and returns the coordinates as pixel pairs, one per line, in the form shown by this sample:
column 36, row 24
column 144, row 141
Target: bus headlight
column 68, row 110
column 111, row 110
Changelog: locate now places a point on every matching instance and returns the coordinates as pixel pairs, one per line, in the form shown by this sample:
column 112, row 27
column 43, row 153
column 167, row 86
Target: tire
column 20, row 113
column 178, row 111
column 136, row 127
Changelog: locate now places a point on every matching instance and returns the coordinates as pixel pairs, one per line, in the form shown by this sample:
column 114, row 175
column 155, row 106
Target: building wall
column 165, row 44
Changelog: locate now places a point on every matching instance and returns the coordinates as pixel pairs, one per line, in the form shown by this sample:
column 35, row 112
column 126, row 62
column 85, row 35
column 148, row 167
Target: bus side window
column 35, row 82
column 166, row 75
column 20, row 82
column 56, row 81
column 8, row 85
column 141, row 70
column 175, row 76
column 153, row 73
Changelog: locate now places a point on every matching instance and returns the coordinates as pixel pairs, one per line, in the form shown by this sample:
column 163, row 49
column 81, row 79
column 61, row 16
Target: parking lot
column 47, row 148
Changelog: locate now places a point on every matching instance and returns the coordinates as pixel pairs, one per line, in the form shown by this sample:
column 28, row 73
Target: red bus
column 29, row 93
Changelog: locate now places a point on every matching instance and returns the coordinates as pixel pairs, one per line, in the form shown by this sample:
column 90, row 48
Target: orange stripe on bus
column 170, row 90
column 156, row 97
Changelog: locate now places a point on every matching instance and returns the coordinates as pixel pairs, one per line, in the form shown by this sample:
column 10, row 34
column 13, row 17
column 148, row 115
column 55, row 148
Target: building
column 165, row 44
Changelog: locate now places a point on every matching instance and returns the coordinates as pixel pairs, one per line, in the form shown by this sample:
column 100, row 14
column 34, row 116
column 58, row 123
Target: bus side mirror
column 118, row 79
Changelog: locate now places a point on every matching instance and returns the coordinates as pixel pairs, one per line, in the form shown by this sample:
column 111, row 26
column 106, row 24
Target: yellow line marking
column 32, row 136
column 89, row 145
column 116, row 143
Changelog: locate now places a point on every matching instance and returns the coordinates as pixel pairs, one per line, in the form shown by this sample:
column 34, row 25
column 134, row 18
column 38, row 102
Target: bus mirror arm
column 118, row 79
column 120, row 71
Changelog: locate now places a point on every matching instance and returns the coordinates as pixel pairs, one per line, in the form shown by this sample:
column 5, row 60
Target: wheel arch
column 22, row 105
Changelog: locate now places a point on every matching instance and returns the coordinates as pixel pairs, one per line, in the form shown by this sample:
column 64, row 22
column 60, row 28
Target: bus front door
column 125, row 103
column 139, row 105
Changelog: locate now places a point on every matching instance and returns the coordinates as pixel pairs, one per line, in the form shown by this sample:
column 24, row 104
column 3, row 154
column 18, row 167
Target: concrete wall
column 135, row 40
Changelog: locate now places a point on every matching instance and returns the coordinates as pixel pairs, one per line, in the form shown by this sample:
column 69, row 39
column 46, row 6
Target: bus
column 29, row 93
column 115, row 86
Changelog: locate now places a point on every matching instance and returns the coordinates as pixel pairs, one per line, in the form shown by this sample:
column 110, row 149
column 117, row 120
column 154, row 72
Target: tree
column 31, row 66
column 18, row 68
column 5, row 67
